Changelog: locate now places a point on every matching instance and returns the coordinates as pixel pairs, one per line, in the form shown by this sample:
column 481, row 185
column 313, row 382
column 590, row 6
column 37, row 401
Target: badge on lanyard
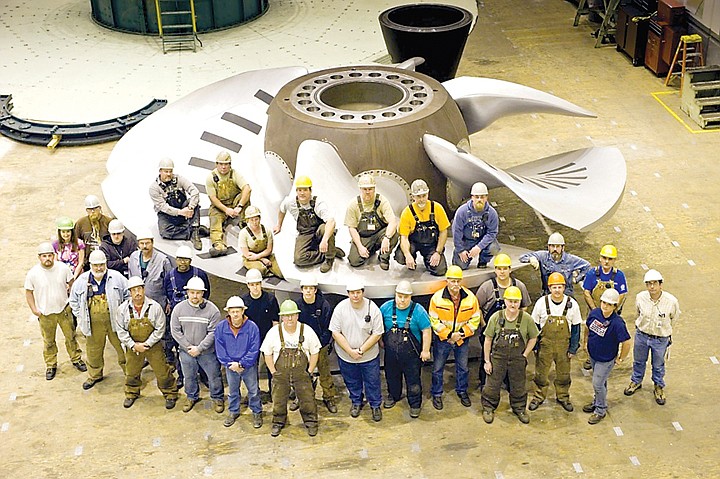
column 371, row 226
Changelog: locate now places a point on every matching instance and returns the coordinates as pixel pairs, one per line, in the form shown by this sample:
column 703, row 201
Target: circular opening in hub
column 361, row 96
column 426, row 16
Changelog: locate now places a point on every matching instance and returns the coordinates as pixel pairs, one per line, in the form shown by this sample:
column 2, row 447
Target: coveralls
column 402, row 358
column 475, row 228
column 424, row 239
column 229, row 194
column 371, row 228
column 260, row 244
column 311, row 229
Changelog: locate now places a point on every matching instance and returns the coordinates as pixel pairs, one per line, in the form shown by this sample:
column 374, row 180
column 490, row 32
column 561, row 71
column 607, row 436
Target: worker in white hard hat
column 315, row 241
column 372, row 225
column 315, row 311
column 657, row 311
column 140, row 328
column 176, row 201
column 556, row 260
column 192, row 325
column 608, row 334
column 118, row 245
column 406, row 343
column 229, row 194
column 92, row 228
column 175, row 292
column 46, row 293
column 95, row 300
column 151, row 265
column 256, row 245
column 357, row 326
column 600, row 278
column 423, row 229
column 262, row 308
column 475, row 230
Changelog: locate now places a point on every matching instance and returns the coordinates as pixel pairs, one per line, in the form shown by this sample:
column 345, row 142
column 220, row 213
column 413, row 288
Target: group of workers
column 116, row 287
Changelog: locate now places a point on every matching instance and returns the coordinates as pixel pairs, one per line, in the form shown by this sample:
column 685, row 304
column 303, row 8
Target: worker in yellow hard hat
column 510, row 337
column 454, row 317
column 315, row 242
column 558, row 317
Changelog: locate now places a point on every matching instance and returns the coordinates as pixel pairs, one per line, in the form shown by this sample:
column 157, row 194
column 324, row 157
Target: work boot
column 376, row 414
column 257, row 420
column 203, row 231
column 218, row 249
column 437, row 402
column 276, row 428
column 189, row 404
column 80, row 365
column 339, row 253
column 632, row 388
column 464, row 399
column 330, row 405
column 523, row 417
column 659, row 395
column 89, row 383
column 195, row 239
column 230, row 419
column 482, row 265
column 567, row 405
column 389, row 403
column 312, row 430
column 488, row 415
column 384, row 265
column 327, row 265
column 595, row 418
column 50, row 373
column 355, row 410
column 170, row 403
column 294, row 405
column 587, row 364
column 219, row 405
column 128, row 402
column 534, row 404
column 588, row 408
column 414, row 412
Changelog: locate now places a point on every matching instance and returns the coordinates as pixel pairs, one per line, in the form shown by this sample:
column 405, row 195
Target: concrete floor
column 668, row 220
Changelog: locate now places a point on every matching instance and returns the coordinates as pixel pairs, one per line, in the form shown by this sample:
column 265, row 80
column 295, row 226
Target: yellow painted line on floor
column 657, row 95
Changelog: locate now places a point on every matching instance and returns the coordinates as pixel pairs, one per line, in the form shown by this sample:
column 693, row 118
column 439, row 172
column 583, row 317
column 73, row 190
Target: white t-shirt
column 540, row 315
column 271, row 344
column 350, row 322
column 49, row 287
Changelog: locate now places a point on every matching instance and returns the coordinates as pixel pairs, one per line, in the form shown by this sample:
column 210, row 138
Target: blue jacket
column 567, row 264
column 243, row 348
column 467, row 220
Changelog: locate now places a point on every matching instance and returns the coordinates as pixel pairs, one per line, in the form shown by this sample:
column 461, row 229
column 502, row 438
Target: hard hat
column 116, row 226
column 289, row 307
column 556, row 278
column 556, row 238
column 502, row 260
column 478, row 189
column 610, row 296
column 135, row 281
column 144, row 233
column 404, row 287
column 184, row 252
column 308, row 280
column 97, row 257
column 234, row 302
column 609, row 251
column 91, row 201
column 44, row 248
column 513, row 293
column 252, row 211
column 64, row 223
column 419, row 187
column 303, row 182
column 653, row 275
column 196, row 284
column 166, row 164
column 454, row 272
column 355, row 284
column 366, row 181
column 253, row 276
column 223, row 157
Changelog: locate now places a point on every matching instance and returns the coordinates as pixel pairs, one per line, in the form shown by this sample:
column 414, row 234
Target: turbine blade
column 571, row 188
column 484, row 100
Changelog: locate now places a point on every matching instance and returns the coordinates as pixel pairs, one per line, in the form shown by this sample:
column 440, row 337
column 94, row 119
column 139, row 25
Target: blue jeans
column 359, row 375
column 209, row 363
column 601, row 373
column 486, row 254
column 644, row 345
column 249, row 377
column 441, row 351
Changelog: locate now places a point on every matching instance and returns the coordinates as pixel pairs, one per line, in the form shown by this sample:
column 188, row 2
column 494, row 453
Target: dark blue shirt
column 263, row 311
column 606, row 334
column 317, row 316
column 175, row 282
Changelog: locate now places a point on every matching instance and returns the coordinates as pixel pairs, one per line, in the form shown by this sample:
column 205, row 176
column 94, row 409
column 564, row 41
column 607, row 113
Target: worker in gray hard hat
column 95, row 300
column 556, row 260
column 176, row 202
column 118, row 245
column 475, row 230
column 423, row 229
column 91, row 229
column 372, row 225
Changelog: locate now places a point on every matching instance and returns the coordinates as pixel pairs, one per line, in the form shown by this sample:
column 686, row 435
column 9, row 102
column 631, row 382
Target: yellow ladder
column 177, row 24
column 692, row 50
